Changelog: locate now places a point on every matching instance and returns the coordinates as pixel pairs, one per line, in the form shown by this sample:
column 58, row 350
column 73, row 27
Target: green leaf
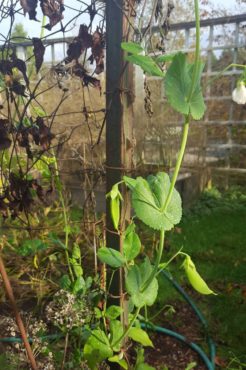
column 79, row 285
column 165, row 58
column 131, row 47
column 116, row 331
column 135, row 280
column 111, row 257
column 76, row 254
column 131, row 243
column 119, row 361
column 148, row 200
column 131, row 183
column 29, row 247
column 194, row 278
column 140, row 336
column 190, row 366
column 97, row 348
column 144, row 367
column 178, row 83
column 147, row 64
column 113, row 312
column 65, row 282
column 140, row 365
column 38, row 111
column 76, row 267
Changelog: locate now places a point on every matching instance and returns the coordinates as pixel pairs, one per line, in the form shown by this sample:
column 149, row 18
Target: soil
column 170, row 352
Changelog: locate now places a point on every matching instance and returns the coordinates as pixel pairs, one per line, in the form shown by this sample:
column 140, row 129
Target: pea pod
column 194, row 278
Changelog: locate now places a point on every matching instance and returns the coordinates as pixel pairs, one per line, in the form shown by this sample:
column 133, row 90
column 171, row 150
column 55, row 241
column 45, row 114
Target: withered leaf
column 52, row 9
column 42, row 134
column 21, row 65
column 5, row 141
column 78, row 70
column 18, row 88
column 97, row 49
column 38, row 50
column 29, row 6
column 91, row 81
column 79, row 44
column 6, row 67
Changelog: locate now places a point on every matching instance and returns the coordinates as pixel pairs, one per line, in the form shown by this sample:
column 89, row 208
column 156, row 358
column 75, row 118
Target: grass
column 213, row 232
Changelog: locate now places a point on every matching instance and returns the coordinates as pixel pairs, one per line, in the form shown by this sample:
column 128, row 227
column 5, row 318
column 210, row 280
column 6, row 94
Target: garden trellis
column 218, row 139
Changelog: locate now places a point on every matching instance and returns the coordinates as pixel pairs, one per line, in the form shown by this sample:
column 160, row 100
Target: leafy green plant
column 157, row 204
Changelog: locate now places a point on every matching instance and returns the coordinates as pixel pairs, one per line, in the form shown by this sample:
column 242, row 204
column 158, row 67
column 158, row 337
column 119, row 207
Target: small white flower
column 239, row 93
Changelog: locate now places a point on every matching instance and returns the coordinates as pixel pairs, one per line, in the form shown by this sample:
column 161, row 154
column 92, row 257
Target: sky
column 33, row 28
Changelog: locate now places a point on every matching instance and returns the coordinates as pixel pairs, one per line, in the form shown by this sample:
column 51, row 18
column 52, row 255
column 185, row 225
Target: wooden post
column 119, row 81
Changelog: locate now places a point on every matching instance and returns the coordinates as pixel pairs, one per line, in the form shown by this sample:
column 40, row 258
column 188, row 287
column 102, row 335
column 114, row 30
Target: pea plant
column 157, row 204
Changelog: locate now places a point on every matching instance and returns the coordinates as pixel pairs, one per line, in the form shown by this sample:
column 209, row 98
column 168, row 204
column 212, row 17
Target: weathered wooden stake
column 119, row 101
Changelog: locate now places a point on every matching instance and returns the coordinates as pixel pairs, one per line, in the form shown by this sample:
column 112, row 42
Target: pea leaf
column 140, row 336
column 131, row 243
column 76, row 254
column 178, row 81
column 194, row 278
column 97, row 348
column 76, row 267
column 31, row 246
column 148, row 200
column 135, row 280
column 65, row 282
column 79, row 285
column 113, row 312
column 116, row 331
column 144, row 367
column 119, row 361
column 131, row 47
column 147, row 64
column 165, row 58
column 111, row 257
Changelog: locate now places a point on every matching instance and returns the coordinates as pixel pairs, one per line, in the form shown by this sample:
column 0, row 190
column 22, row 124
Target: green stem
column 197, row 51
column 223, row 71
column 183, row 143
column 126, row 332
column 169, row 261
column 179, row 161
column 187, row 117
column 65, row 218
column 157, row 261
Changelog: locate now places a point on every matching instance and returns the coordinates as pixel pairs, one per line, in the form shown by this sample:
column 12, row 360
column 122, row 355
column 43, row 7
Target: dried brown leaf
column 53, row 9
column 38, row 50
column 30, row 6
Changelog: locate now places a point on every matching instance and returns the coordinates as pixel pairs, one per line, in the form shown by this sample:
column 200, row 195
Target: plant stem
column 179, row 161
column 65, row 218
column 17, row 315
column 197, row 51
column 126, row 332
column 157, row 261
column 243, row 66
column 183, row 144
column 187, row 117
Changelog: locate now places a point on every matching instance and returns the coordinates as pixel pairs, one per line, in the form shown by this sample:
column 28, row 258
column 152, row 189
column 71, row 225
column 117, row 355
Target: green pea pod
column 115, row 198
column 194, row 278
column 115, row 211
